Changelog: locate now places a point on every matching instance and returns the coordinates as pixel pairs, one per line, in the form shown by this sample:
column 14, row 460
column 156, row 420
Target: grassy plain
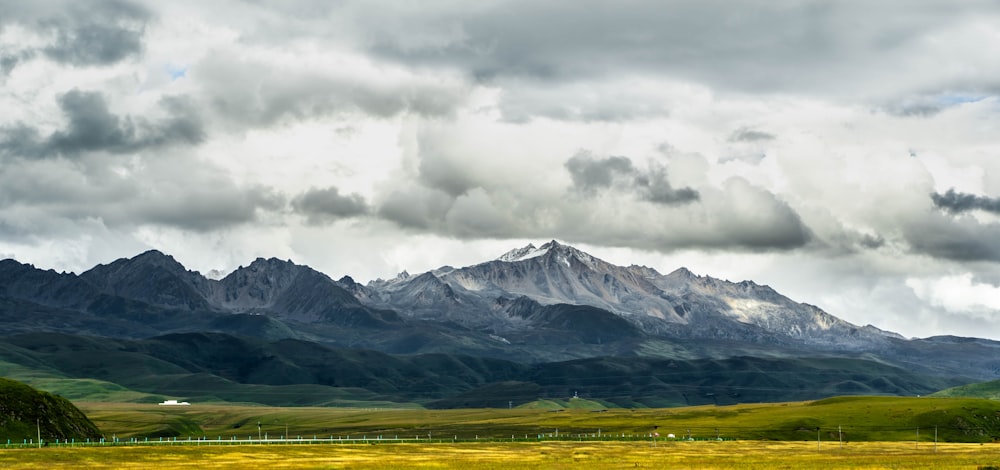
column 553, row 455
column 850, row 418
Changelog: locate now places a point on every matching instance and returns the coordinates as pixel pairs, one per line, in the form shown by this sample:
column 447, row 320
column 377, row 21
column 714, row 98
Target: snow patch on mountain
column 521, row 254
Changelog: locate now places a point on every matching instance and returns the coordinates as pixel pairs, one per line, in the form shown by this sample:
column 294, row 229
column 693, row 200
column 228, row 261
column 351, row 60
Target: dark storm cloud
column 955, row 202
column 327, row 205
column 952, row 234
column 85, row 33
column 91, row 126
column 961, row 240
column 591, row 175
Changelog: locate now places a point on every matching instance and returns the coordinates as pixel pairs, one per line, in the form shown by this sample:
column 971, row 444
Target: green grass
column 559, row 404
column 27, row 412
column 74, row 388
column 989, row 390
column 859, row 419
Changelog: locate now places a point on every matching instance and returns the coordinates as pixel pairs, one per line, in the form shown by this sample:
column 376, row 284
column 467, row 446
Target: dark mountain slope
column 203, row 366
column 47, row 288
column 153, row 278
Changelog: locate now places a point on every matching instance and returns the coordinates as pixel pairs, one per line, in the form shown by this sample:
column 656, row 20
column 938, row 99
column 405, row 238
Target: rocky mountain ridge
column 656, row 303
column 532, row 304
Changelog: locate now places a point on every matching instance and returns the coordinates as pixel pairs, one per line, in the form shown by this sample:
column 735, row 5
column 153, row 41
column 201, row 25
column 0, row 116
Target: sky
column 844, row 153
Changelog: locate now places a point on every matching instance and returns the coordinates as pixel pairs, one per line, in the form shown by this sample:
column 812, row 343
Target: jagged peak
column 156, row 257
column 149, row 258
column 152, row 253
column 554, row 252
column 683, row 272
column 272, row 261
column 268, row 264
column 518, row 254
column 644, row 271
column 552, row 244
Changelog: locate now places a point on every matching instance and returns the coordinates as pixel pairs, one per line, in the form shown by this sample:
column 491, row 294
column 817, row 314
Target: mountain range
column 531, row 306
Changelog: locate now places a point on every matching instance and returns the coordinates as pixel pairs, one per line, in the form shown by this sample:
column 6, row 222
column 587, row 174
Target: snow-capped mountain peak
column 554, row 273
column 520, row 254
column 559, row 252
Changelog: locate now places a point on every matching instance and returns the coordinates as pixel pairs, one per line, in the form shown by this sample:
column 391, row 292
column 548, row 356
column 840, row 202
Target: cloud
column 959, row 294
column 615, row 99
column 204, row 209
column 92, row 127
column 754, row 46
column 416, row 207
column 290, row 86
column 8, row 61
column 955, row 202
column 961, row 239
column 100, row 34
column 48, row 197
column 612, row 203
column 590, row 175
column 97, row 33
column 746, row 134
column 327, row 205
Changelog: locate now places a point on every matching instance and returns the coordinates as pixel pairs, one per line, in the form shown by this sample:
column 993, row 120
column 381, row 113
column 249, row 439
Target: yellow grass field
column 553, row 455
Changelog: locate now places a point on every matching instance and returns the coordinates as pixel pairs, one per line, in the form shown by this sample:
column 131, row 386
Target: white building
column 174, row 403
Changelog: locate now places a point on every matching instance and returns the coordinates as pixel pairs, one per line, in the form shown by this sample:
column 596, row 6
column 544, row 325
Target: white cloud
column 959, row 293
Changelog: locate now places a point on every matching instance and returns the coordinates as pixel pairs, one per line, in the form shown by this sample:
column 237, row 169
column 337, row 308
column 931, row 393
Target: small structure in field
column 174, row 403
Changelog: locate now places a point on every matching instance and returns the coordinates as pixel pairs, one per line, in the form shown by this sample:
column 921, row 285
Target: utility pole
column 258, row 430
column 935, row 439
column 38, row 427
column 840, row 436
